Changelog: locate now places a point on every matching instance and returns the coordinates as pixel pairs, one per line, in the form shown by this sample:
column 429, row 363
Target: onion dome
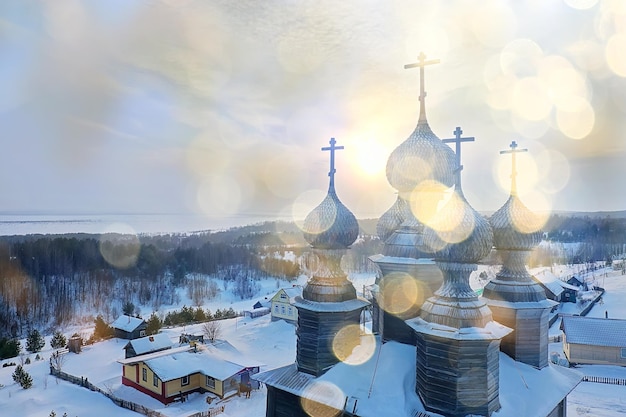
column 459, row 233
column 330, row 225
column 515, row 226
column 390, row 220
column 423, row 156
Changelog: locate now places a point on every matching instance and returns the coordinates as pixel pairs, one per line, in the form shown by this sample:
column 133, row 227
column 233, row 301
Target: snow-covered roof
column 178, row 365
column 552, row 282
column 292, row 292
column 594, row 331
column 127, row 323
column 384, row 384
column 150, row 343
column 343, row 306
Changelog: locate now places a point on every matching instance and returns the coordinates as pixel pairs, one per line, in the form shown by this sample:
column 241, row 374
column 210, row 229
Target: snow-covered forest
column 52, row 281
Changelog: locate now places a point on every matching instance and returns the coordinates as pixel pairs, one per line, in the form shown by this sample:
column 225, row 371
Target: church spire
column 332, row 148
column 421, row 64
column 458, row 140
column 513, row 151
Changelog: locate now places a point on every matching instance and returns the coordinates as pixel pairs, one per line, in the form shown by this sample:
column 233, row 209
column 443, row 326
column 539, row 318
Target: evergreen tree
column 9, row 348
column 128, row 308
column 26, row 381
column 17, row 374
column 34, row 341
column 154, row 324
column 102, row 329
column 58, row 340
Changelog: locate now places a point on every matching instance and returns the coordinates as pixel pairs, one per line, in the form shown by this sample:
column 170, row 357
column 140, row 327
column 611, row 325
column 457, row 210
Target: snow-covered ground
column 270, row 343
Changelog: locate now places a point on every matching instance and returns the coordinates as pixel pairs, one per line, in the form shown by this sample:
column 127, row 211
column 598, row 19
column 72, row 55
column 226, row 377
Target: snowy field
column 269, row 343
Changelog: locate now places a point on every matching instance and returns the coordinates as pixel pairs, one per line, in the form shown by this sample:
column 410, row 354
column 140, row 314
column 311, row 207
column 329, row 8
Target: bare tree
column 57, row 360
column 212, row 330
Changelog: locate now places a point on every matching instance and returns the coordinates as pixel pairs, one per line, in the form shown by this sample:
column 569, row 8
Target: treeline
column 50, row 281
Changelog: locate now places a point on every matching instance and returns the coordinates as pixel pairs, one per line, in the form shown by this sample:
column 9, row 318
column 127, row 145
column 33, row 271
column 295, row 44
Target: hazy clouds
column 223, row 106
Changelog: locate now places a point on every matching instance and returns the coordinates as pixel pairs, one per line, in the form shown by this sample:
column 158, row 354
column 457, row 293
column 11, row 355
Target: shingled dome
column 515, row 226
column 420, row 158
column 330, row 225
column 459, row 233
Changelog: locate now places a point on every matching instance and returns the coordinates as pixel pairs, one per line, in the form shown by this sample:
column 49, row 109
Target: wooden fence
column 210, row 413
column 604, row 380
column 84, row 382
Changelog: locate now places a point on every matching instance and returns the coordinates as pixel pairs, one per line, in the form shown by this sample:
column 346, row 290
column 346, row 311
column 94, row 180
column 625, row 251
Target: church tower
column 328, row 312
column 515, row 299
column 420, row 169
column 457, row 342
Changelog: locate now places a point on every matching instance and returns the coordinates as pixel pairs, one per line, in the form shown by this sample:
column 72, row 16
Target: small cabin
column 589, row 340
column 148, row 344
column 129, row 327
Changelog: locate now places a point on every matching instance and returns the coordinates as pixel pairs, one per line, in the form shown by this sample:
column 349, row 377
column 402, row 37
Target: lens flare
column 531, row 215
column 578, row 123
column 526, row 170
column 492, row 22
column 304, row 204
column 322, row 399
column 350, row 347
column 520, row 58
column 614, row 53
column 425, row 199
column 530, row 99
column 120, row 248
column 400, row 293
column 455, row 223
column 554, row 171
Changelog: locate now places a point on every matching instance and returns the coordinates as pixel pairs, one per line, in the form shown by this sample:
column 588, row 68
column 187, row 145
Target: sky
column 221, row 108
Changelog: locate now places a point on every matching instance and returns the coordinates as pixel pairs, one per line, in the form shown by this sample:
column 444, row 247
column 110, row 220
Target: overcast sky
column 221, row 107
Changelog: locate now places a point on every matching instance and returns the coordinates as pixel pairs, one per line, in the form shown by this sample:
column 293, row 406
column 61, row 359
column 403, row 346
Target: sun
column 368, row 157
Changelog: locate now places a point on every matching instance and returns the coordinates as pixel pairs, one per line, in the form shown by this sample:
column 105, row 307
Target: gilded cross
column 332, row 148
column 458, row 140
column 513, row 151
column 421, row 64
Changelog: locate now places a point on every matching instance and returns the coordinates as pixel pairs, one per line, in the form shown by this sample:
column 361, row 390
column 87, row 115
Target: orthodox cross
column 513, row 151
column 332, row 148
column 421, row 64
column 458, row 139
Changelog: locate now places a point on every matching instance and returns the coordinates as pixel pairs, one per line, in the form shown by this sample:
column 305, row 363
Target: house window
column 210, row 382
column 155, row 380
column 142, row 333
column 622, row 353
column 290, row 309
column 283, row 309
column 184, row 380
column 144, row 374
column 283, row 296
column 276, row 308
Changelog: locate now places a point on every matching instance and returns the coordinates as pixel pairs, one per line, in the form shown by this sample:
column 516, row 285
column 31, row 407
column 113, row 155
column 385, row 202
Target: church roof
column 385, row 385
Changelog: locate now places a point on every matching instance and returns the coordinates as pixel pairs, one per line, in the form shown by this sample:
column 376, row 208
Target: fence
column 83, row 382
column 604, row 380
column 210, row 413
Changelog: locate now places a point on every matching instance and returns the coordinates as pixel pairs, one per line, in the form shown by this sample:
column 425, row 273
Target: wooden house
column 282, row 304
column 148, row 344
column 555, row 288
column 577, row 282
column 128, row 327
column 588, row 340
column 171, row 374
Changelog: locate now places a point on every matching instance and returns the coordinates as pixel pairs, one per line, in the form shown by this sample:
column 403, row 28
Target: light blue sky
column 222, row 107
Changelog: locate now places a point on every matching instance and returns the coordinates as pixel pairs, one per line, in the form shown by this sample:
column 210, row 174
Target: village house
column 171, row 374
column 148, row 344
column 128, row 327
column 589, row 340
column 555, row 288
column 283, row 304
